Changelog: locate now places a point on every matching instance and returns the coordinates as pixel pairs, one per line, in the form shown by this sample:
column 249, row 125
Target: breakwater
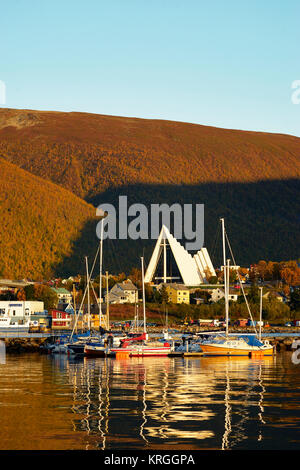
column 19, row 345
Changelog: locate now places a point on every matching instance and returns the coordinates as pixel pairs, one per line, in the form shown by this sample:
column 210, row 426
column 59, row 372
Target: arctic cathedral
column 188, row 269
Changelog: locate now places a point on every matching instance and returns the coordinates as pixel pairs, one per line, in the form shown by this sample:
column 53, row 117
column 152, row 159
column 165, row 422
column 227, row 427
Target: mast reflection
column 145, row 401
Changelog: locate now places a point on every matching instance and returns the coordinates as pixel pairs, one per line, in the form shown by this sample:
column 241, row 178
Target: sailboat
column 234, row 345
column 141, row 345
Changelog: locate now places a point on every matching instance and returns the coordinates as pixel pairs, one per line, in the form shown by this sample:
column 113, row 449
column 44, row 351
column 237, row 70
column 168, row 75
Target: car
column 288, row 324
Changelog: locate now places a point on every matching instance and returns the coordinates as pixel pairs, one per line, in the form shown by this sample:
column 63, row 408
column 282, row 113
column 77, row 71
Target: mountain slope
column 89, row 153
column 250, row 178
column 40, row 223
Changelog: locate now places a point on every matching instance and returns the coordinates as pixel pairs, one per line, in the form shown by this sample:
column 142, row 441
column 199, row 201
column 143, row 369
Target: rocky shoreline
column 20, row 345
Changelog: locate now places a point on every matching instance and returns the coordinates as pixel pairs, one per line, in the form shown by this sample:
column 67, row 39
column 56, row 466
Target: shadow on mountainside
column 262, row 221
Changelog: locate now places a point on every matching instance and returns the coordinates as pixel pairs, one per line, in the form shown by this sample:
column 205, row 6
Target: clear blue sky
column 222, row 63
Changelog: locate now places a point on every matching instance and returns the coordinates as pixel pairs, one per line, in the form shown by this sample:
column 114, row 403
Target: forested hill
column 54, row 165
column 41, row 224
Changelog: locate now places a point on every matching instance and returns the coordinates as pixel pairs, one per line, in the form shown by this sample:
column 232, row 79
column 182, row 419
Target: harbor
column 25, row 342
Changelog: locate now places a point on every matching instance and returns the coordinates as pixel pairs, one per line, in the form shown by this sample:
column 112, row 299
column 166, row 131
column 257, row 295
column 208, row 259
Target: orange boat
column 236, row 346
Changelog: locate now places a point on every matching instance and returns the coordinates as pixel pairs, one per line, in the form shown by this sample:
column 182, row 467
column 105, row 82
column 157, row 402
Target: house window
column 2, row 311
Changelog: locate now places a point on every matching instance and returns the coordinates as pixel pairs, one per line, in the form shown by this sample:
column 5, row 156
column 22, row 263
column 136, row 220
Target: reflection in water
column 169, row 401
column 155, row 403
column 225, row 441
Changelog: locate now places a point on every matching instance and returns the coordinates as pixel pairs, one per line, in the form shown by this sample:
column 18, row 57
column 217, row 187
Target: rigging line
column 214, row 245
column 243, row 291
column 96, row 298
column 85, row 291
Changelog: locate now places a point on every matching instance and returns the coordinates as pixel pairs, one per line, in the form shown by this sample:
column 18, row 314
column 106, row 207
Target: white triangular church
column 192, row 269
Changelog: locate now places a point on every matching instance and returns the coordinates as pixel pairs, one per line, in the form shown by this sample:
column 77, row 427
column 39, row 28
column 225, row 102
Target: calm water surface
column 52, row 402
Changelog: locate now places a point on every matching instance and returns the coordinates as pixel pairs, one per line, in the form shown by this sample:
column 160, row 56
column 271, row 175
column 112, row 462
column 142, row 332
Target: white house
column 218, row 294
column 20, row 309
column 125, row 292
column 64, row 296
column 232, row 267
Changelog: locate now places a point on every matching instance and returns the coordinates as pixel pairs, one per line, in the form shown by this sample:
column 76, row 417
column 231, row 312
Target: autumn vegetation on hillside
column 39, row 223
column 55, row 165
column 89, row 153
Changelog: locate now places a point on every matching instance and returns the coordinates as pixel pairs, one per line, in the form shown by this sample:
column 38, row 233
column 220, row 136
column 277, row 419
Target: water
column 52, row 402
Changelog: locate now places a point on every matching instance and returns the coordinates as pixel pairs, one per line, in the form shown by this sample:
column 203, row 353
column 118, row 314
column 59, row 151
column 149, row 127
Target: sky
column 220, row 63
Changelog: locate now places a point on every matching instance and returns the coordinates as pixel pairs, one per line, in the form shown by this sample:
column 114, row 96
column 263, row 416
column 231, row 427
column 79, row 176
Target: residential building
column 122, row 293
column 232, row 267
column 218, row 294
column 61, row 320
column 178, row 293
column 64, row 296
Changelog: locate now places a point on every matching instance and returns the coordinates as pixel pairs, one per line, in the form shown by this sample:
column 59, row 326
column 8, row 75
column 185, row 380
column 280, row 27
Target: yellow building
column 94, row 321
column 178, row 293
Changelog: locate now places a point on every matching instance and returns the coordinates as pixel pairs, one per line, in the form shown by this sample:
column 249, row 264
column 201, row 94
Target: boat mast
column 225, row 276
column 143, row 286
column 107, row 301
column 227, row 297
column 100, row 278
column 88, row 292
column 167, row 319
column 74, row 302
column 260, row 313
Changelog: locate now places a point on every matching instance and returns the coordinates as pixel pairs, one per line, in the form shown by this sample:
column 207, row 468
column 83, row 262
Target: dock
column 193, row 354
column 24, row 335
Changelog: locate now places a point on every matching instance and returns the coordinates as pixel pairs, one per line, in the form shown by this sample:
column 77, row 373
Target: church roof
column 193, row 269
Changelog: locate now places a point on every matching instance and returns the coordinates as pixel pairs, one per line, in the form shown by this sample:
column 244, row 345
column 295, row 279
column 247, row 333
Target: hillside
column 250, row 178
column 40, row 225
column 89, row 153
